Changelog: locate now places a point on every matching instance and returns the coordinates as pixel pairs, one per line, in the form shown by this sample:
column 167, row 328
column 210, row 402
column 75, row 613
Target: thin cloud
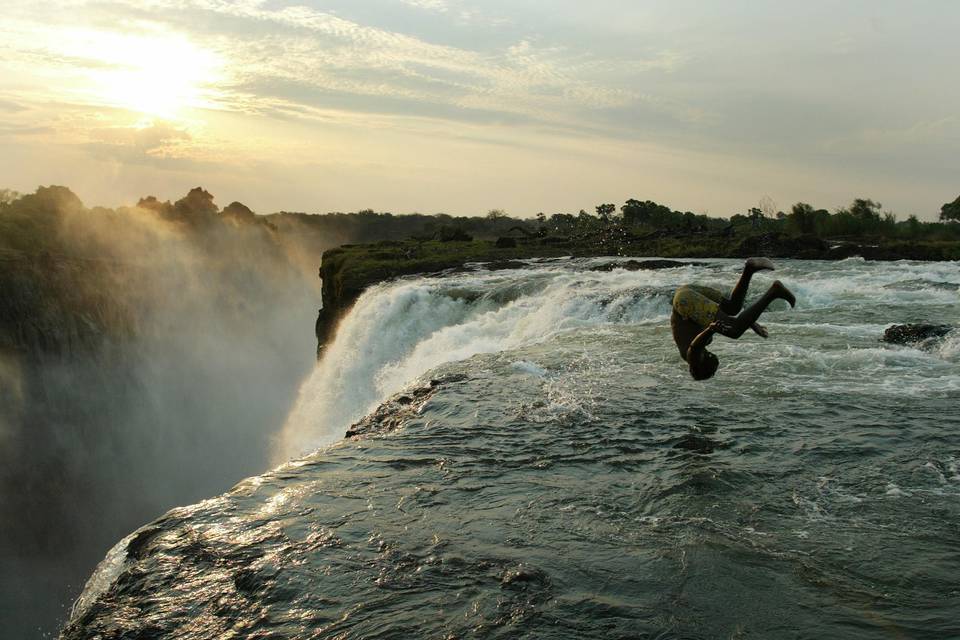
column 806, row 87
column 320, row 51
column 440, row 6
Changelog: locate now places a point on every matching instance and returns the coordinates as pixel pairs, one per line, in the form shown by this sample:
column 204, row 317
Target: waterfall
column 398, row 331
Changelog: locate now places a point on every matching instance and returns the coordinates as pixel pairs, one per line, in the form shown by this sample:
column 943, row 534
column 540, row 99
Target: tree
column 8, row 195
column 865, row 210
column 563, row 222
column 756, row 215
column 151, row 203
column 913, row 226
column 53, row 198
column 238, row 212
column 768, row 207
column 196, row 205
column 496, row 214
column 647, row 212
column 541, row 224
column 606, row 210
column 585, row 221
column 802, row 218
column 950, row 212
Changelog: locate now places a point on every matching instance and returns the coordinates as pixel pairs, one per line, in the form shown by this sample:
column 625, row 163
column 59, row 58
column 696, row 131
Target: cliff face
column 65, row 369
column 146, row 360
column 62, row 307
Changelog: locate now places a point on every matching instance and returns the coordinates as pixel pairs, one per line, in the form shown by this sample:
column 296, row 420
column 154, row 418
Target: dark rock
column 395, row 411
column 915, row 333
column 500, row 265
column 638, row 265
column 137, row 547
column 522, row 576
column 447, row 379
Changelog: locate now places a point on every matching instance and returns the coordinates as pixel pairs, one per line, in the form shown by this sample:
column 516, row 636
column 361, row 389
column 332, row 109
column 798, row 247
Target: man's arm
column 702, row 340
column 724, row 326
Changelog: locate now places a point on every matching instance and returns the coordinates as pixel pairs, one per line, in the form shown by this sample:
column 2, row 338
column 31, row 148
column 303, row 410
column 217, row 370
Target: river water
column 567, row 478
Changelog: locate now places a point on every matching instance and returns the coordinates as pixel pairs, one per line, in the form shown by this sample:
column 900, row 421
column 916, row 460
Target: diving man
column 699, row 312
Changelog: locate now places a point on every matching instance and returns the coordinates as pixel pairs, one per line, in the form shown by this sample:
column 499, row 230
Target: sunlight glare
column 156, row 74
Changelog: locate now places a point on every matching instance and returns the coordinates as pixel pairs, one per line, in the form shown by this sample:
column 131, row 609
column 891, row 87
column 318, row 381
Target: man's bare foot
column 760, row 330
column 759, row 264
column 783, row 293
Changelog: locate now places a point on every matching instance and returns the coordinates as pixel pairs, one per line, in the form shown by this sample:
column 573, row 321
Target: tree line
column 23, row 216
column 863, row 218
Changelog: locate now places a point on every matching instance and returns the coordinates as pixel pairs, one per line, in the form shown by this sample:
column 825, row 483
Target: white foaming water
column 398, row 331
column 949, row 349
column 855, row 281
column 103, row 576
column 529, row 367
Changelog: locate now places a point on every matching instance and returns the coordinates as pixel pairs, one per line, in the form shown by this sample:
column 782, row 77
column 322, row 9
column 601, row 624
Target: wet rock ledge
column 391, row 415
column 918, row 334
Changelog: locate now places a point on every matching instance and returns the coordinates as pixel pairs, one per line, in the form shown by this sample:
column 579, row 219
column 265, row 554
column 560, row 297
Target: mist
column 149, row 356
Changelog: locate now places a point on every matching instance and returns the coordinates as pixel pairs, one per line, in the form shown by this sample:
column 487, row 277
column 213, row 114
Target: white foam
column 102, row 577
column 529, row 367
column 398, row 331
column 894, row 491
column 949, row 349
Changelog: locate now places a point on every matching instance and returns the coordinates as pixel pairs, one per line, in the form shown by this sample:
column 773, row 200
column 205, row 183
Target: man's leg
column 734, row 304
column 734, row 326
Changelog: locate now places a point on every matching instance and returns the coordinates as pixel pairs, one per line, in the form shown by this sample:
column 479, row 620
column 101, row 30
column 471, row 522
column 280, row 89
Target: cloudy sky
column 467, row 105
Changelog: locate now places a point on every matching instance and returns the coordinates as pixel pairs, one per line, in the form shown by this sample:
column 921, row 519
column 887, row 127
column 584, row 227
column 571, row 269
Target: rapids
column 571, row 480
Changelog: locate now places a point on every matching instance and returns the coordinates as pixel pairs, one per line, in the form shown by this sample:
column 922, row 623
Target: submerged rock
column 915, row 333
column 522, row 576
column 405, row 405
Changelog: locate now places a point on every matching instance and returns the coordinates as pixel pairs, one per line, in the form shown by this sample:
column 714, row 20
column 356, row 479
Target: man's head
column 705, row 366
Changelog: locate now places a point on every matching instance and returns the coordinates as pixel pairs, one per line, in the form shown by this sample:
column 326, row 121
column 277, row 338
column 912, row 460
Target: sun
column 152, row 74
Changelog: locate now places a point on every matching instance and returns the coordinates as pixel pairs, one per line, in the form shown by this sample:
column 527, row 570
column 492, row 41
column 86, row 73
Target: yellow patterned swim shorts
column 698, row 304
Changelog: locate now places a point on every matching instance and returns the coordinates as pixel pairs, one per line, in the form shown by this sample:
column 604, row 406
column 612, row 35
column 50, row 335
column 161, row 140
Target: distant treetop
column 950, row 212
